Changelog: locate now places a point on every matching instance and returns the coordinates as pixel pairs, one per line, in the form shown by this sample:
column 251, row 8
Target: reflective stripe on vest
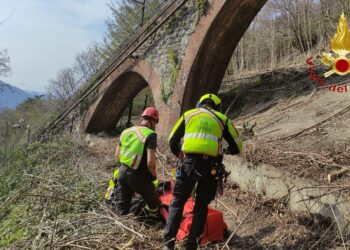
column 141, row 137
column 203, row 132
column 238, row 141
column 151, row 210
column 132, row 145
column 130, row 155
column 202, row 136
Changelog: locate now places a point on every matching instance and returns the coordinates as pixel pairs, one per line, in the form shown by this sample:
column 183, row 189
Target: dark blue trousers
column 195, row 169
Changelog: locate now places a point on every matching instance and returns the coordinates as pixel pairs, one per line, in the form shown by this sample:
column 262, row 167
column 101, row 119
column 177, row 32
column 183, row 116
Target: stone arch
column 202, row 69
column 117, row 91
column 205, row 62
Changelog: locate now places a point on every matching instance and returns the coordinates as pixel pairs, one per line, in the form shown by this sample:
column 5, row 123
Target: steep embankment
column 296, row 142
column 52, row 196
column 290, row 126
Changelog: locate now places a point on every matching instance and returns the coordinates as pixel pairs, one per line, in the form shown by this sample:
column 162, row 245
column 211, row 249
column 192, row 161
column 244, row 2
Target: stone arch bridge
column 184, row 59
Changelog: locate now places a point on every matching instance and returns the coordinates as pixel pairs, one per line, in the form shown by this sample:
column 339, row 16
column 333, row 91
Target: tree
column 88, row 62
column 285, row 32
column 4, row 62
column 4, row 58
column 63, row 86
column 4, row 69
column 28, row 115
column 127, row 16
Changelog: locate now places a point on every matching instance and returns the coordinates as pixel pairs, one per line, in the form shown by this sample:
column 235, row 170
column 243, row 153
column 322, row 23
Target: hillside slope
column 295, row 129
column 11, row 96
column 52, row 196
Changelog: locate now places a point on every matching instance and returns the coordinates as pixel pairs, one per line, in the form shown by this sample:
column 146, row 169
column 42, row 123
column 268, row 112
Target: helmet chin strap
column 219, row 107
column 148, row 124
column 153, row 124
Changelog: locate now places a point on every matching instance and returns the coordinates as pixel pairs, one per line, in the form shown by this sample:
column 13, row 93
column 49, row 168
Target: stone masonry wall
column 166, row 48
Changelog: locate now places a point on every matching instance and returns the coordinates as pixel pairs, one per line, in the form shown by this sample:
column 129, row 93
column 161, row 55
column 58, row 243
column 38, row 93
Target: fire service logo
column 338, row 62
column 340, row 45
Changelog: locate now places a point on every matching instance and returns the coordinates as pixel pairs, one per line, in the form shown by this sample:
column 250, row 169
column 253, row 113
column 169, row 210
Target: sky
column 44, row 36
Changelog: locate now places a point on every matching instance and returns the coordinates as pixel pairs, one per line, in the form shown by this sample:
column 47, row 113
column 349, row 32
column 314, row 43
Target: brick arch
column 202, row 69
column 211, row 47
column 117, row 91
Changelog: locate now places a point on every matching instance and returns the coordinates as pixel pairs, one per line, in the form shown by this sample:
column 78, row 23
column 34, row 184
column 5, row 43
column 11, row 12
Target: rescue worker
column 202, row 130
column 136, row 154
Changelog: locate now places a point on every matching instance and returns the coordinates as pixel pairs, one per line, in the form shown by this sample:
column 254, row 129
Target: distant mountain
column 34, row 93
column 11, row 96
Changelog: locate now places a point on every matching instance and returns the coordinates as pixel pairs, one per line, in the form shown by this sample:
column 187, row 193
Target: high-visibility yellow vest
column 203, row 132
column 132, row 145
column 112, row 184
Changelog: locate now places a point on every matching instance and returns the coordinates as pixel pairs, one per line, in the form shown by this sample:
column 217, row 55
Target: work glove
column 156, row 183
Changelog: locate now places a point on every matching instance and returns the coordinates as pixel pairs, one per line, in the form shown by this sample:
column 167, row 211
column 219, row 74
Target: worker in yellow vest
column 111, row 196
column 136, row 154
column 202, row 130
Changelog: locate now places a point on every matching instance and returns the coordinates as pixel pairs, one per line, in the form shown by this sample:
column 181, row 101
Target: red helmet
column 151, row 112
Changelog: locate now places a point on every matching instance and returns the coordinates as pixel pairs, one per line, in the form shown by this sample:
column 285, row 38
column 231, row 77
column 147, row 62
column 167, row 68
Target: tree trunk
column 272, row 65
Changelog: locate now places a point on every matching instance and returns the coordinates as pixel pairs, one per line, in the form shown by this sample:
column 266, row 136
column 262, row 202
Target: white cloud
column 43, row 36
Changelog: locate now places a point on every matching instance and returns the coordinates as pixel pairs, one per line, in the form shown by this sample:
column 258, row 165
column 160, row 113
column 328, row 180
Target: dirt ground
column 295, row 129
column 303, row 132
column 258, row 222
column 269, row 224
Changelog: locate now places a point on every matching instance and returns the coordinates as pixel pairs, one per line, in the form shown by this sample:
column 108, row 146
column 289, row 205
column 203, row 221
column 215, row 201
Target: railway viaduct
column 184, row 59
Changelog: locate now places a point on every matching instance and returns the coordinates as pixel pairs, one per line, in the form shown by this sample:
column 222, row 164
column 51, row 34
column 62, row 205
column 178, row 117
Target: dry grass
column 268, row 224
column 60, row 206
column 307, row 164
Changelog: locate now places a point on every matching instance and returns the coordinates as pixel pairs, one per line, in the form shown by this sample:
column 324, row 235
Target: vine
column 201, row 6
column 165, row 91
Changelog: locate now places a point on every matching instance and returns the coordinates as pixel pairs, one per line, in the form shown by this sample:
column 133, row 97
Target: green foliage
column 258, row 80
column 12, row 166
column 42, row 181
column 126, row 17
column 20, row 162
column 28, row 115
column 175, row 67
column 165, row 93
column 11, row 223
column 168, row 89
column 139, row 101
column 201, row 6
column 84, row 105
column 168, row 26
